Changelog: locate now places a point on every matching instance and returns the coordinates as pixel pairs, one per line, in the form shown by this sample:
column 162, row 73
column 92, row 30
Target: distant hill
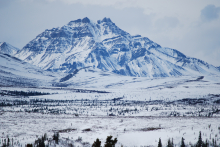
column 15, row 72
column 6, row 48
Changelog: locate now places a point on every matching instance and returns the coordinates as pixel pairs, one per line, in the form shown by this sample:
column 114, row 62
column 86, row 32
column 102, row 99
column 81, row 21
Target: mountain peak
column 6, row 48
column 105, row 46
column 106, row 20
column 2, row 44
column 85, row 20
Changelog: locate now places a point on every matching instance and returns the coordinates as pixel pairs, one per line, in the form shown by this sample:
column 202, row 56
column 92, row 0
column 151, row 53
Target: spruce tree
column 172, row 143
column 205, row 144
column 96, row 143
column 169, row 143
column 199, row 142
column 56, row 137
column 29, row 145
column 159, row 143
column 182, row 143
column 109, row 142
column 8, row 142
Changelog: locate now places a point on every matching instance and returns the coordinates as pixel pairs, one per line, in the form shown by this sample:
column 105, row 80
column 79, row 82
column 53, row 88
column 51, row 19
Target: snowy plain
column 136, row 110
column 130, row 131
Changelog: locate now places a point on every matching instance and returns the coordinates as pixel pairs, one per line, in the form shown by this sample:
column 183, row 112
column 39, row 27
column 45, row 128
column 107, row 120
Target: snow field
column 130, row 131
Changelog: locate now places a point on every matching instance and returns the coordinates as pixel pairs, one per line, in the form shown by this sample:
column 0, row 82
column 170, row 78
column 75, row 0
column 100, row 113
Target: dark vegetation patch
column 104, row 74
column 214, row 95
column 217, row 101
column 192, row 101
column 65, row 130
column 87, row 130
column 111, row 114
column 22, row 93
column 77, row 90
column 170, row 87
column 198, row 79
column 117, row 99
column 69, row 76
column 149, row 129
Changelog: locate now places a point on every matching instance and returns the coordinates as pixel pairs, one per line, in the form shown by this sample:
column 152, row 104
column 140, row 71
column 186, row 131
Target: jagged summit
column 105, row 20
column 87, row 20
column 84, row 20
column 103, row 45
column 6, row 48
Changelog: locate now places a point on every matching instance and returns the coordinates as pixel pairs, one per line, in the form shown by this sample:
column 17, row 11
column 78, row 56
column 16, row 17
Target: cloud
column 210, row 12
column 93, row 2
column 166, row 23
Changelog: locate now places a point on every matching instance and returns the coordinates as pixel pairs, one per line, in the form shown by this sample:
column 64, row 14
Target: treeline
column 199, row 143
column 22, row 93
column 44, row 141
column 40, row 142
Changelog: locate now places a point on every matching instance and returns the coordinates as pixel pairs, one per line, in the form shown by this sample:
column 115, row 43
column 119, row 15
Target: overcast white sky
column 190, row 26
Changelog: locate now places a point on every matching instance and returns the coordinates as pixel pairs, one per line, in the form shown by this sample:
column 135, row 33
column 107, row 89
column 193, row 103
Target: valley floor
column 137, row 111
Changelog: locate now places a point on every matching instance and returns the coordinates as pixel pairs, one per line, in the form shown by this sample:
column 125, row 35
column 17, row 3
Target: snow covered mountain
column 6, row 48
column 15, row 72
column 103, row 45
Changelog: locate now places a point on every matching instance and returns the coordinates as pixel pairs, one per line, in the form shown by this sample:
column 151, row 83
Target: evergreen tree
column 206, row 144
column 172, row 143
column 169, row 143
column 159, row 143
column 182, row 143
column 40, row 142
column 96, row 143
column 4, row 143
column 109, row 142
column 56, row 137
column 29, row 145
column 45, row 136
column 199, row 142
column 8, row 142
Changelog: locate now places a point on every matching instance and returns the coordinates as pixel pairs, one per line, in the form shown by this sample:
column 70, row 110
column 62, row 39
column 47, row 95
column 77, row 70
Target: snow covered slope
column 6, row 48
column 15, row 72
column 139, row 88
column 103, row 45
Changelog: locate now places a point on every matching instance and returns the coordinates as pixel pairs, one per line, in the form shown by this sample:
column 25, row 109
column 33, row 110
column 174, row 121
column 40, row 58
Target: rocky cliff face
column 103, row 45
